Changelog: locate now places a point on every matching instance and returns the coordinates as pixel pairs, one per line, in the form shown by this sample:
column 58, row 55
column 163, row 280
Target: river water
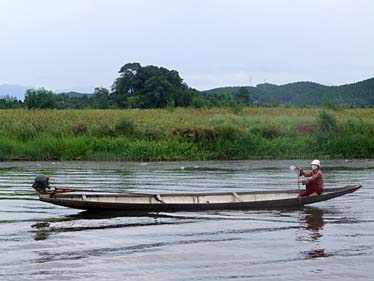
column 332, row 240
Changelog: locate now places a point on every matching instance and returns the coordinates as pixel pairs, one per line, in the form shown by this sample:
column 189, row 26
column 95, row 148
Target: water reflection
column 91, row 220
column 315, row 253
column 312, row 224
column 42, row 230
column 313, row 219
column 108, row 214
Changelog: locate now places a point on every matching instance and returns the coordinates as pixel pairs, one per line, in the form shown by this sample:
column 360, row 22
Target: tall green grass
column 186, row 134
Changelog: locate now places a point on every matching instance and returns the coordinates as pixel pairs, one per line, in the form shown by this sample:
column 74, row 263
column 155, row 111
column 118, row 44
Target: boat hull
column 130, row 202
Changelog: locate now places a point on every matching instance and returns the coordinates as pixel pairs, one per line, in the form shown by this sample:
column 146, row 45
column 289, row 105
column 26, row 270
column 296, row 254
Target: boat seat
column 158, row 198
column 236, row 196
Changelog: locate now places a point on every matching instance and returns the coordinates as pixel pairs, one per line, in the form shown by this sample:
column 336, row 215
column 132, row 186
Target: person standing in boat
column 313, row 180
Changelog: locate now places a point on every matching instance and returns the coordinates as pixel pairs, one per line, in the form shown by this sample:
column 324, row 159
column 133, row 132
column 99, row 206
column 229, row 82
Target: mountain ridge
column 307, row 93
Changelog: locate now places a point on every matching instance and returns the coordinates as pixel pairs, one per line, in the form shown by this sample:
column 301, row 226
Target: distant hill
column 79, row 90
column 360, row 94
column 75, row 94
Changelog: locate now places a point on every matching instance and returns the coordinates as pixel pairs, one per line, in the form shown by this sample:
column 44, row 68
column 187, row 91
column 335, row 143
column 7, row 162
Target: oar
column 292, row 169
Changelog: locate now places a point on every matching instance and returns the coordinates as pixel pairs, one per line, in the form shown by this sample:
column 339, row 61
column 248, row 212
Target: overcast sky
column 65, row 44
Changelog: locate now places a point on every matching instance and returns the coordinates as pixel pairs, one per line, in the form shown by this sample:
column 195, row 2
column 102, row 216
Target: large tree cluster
column 150, row 87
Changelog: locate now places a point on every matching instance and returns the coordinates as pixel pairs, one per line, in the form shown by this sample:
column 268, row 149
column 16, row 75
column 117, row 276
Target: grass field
column 186, row 134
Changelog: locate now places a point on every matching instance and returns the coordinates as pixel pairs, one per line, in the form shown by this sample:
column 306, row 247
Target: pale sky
column 74, row 44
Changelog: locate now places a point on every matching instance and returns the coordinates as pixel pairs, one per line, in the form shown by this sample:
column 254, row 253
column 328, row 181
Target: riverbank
column 186, row 134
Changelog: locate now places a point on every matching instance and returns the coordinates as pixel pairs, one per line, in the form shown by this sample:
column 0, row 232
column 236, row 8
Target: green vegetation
column 186, row 134
column 150, row 86
column 10, row 102
column 164, row 119
column 137, row 87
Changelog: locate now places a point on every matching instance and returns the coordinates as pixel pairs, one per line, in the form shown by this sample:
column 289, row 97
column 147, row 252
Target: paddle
column 292, row 168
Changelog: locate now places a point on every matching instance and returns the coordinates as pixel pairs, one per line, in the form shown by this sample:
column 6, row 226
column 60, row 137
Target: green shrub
column 196, row 135
column 79, row 129
column 101, row 130
column 7, row 149
column 150, row 133
column 327, row 122
column 226, row 133
column 267, row 132
column 351, row 146
column 124, row 127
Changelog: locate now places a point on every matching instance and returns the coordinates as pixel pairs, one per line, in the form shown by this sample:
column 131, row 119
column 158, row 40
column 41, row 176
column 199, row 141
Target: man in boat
column 313, row 180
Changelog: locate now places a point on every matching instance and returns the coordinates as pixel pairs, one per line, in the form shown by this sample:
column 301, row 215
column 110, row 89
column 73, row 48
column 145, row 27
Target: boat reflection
column 91, row 220
column 109, row 214
column 43, row 229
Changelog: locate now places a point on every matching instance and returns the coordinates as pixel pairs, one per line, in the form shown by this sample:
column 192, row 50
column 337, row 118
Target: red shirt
column 314, row 181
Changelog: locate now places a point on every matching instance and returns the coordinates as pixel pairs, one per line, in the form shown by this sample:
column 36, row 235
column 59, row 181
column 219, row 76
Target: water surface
column 331, row 240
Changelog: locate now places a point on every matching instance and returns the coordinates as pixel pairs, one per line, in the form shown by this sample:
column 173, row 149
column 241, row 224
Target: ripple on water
column 38, row 241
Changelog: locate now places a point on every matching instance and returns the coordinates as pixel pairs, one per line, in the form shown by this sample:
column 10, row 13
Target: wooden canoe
column 188, row 202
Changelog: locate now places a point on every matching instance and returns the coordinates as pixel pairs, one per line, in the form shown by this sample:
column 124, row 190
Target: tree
column 39, row 98
column 125, row 83
column 101, row 98
column 150, row 87
column 244, row 96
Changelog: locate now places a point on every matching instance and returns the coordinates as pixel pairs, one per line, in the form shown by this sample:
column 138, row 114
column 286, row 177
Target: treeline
column 10, row 102
column 136, row 87
column 145, row 87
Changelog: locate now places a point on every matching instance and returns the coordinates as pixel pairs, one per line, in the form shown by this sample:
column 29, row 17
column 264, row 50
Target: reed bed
column 186, row 134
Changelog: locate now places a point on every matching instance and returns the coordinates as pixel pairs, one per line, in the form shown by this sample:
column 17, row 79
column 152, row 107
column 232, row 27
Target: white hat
column 315, row 162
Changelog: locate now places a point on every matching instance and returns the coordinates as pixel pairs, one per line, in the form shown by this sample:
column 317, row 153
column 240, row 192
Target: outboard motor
column 41, row 184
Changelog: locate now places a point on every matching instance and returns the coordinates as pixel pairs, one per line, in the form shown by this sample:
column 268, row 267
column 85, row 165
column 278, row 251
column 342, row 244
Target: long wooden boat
column 89, row 200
